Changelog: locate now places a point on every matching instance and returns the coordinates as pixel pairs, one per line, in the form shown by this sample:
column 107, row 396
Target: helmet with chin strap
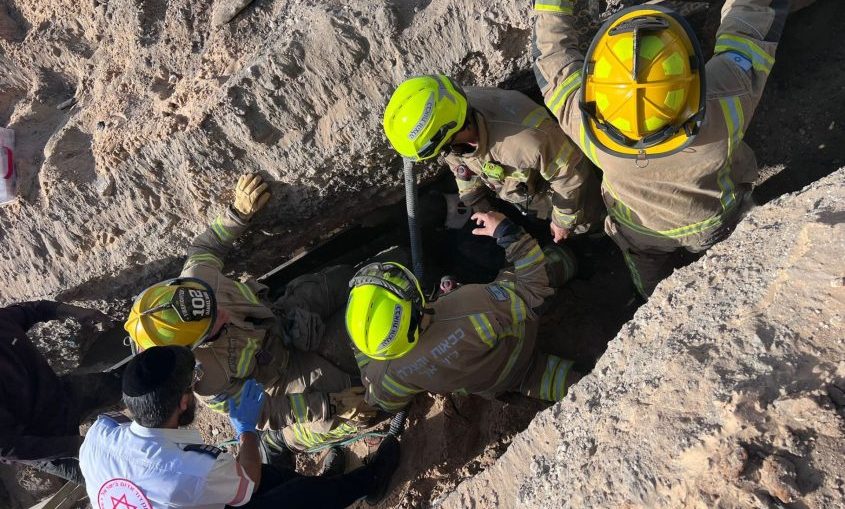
column 384, row 310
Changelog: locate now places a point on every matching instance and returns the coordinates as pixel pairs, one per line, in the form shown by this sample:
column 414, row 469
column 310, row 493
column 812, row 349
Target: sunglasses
column 196, row 376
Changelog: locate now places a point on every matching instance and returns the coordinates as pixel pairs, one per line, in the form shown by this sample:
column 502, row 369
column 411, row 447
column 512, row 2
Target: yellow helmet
column 423, row 115
column 643, row 91
column 384, row 310
column 180, row 311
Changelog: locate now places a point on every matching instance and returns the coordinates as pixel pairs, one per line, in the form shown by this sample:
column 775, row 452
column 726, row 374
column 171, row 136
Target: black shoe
column 383, row 465
column 334, row 463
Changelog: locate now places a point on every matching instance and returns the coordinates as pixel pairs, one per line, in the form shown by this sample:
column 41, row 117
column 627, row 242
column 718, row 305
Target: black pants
column 288, row 489
column 86, row 394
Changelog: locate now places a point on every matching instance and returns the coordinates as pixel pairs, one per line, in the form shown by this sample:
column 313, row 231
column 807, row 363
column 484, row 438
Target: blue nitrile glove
column 245, row 416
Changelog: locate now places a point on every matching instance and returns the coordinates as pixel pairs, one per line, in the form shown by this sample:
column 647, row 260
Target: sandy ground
column 163, row 184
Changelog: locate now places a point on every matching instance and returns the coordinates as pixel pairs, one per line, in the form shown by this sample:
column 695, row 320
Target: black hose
column 413, row 227
column 397, row 423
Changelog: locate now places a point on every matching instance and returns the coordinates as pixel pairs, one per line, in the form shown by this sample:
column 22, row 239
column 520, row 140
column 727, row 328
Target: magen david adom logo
column 121, row 494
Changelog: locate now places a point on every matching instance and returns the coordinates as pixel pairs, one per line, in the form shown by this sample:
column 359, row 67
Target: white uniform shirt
column 129, row 466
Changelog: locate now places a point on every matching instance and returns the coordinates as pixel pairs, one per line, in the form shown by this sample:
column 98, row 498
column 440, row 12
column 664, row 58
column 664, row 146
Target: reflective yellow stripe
column 247, row 293
column 536, row 117
column 635, row 274
column 566, row 220
column 561, row 160
column 361, row 359
column 533, row 257
column 390, row 406
column 517, row 350
column 760, row 60
column 548, row 376
column 559, row 390
column 560, row 6
column 588, row 147
column 207, row 258
column 222, row 406
column 622, row 214
column 221, row 231
column 299, row 407
column 315, row 439
column 484, row 329
column 397, row 389
column 563, row 91
column 247, row 354
column 735, row 121
column 518, row 307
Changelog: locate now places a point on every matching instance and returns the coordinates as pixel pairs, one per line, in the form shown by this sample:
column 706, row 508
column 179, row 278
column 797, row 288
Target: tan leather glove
column 251, row 195
column 350, row 406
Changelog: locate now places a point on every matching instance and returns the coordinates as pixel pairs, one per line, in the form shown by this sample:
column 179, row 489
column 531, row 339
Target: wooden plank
column 65, row 498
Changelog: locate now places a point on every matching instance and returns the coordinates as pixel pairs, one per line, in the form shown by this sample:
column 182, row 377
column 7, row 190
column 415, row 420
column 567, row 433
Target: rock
column 690, row 383
column 226, row 10
column 777, row 476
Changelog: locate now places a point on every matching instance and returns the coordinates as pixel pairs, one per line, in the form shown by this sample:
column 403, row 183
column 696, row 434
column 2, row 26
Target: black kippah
column 148, row 370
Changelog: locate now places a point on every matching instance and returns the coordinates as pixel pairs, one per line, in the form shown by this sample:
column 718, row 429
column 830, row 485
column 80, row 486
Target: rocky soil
column 134, row 118
column 724, row 390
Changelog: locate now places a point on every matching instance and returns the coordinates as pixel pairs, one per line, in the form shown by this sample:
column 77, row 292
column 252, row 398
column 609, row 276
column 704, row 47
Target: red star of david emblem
column 117, row 502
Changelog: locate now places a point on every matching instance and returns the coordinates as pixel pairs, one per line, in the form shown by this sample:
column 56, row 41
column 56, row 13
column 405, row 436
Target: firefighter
column 496, row 142
column 236, row 335
column 664, row 126
column 476, row 339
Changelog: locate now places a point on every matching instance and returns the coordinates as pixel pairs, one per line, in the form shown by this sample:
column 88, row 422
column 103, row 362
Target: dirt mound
column 726, row 389
column 167, row 109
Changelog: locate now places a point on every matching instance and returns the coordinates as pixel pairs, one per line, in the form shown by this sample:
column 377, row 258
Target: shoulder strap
column 203, row 449
column 115, row 418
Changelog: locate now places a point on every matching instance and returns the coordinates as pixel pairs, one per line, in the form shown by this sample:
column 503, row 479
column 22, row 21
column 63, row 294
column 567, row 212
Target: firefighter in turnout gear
column 500, row 142
column 236, row 335
column 478, row 339
column 665, row 127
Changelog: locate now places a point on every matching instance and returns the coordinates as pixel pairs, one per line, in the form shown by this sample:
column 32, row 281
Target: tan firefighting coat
column 480, row 338
column 524, row 158
column 299, row 386
column 682, row 199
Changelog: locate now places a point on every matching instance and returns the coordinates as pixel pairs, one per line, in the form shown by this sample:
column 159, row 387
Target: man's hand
column 244, row 417
column 85, row 316
column 251, row 195
column 488, row 222
column 559, row 233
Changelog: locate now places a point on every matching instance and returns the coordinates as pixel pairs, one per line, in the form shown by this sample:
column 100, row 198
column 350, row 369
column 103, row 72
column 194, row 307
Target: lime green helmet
column 384, row 310
column 423, row 114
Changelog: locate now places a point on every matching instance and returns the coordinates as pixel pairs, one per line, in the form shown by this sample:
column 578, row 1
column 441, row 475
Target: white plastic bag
column 8, row 174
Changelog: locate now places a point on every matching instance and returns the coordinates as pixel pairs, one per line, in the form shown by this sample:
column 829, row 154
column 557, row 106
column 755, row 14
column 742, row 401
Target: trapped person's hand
column 559, row 233
column 487, row 222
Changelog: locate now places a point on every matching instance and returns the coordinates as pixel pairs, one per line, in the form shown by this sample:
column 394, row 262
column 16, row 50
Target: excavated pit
column 167, row 110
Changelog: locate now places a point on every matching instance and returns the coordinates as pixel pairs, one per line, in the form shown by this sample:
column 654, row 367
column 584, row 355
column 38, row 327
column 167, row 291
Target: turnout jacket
column 480, row 338
column 34, row 413
column 693, row 190
column 522, row 156
column 250, row 346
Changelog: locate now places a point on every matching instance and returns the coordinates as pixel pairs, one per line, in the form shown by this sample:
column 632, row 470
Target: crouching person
column 237, row 336
column 149, row 462
column 477, row 339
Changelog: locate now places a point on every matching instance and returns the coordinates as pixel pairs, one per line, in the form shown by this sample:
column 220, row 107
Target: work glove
column 350, row 405
column 244, row 416
column 251, row 195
